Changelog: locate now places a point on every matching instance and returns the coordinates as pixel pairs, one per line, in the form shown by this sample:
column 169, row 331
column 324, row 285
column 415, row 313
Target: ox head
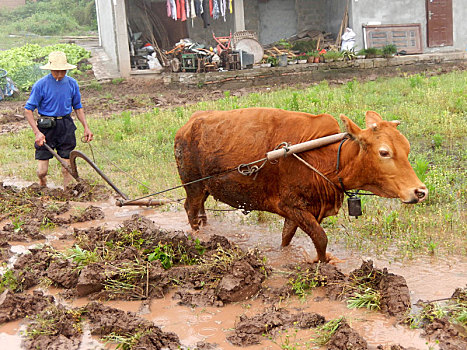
column 383, row 158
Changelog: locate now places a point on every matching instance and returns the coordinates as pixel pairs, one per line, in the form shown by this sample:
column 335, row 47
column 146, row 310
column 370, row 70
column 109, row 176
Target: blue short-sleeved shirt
column 54, row 98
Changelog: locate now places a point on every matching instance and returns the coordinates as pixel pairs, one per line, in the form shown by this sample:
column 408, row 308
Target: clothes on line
column 181, row 10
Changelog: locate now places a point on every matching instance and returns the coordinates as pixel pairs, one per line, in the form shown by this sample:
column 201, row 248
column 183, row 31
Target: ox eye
column 384, row 153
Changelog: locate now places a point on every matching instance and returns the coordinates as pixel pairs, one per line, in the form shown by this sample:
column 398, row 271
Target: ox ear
column 350, row 126
column 372, row 118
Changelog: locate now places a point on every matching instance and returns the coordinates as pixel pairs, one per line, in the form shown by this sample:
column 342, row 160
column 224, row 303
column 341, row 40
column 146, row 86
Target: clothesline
column 181, row 10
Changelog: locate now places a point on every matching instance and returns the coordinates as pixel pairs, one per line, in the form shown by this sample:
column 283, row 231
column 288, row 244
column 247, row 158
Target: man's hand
column 87, row 135
column 40, row 138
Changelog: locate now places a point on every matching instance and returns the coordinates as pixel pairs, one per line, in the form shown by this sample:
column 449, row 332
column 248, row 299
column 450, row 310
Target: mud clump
column 346, row 338
column 27, row 230
column 5, row 252
column 211, row 272
column 89, row 214
column 251, row 330
column 449, row 338
column 395, row 294
column 30, row 267
column 64, row 273
column 56, row 327
column 223, row 276
column 34, row 208
column 15, row 306
column 105, row 320
column 444, row 322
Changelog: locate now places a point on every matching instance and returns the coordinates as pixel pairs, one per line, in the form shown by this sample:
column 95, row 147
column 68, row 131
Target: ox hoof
column 203, row 220
column 330, row 259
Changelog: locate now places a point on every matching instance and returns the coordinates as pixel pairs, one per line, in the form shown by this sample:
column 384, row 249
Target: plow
column 281, row 151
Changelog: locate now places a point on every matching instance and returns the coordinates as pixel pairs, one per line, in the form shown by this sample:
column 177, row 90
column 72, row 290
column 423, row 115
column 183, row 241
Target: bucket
column 283, row 60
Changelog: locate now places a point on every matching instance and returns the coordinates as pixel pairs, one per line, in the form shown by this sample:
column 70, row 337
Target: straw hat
column 57, row 61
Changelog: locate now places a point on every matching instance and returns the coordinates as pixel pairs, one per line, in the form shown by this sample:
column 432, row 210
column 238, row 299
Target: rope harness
column 252, row 169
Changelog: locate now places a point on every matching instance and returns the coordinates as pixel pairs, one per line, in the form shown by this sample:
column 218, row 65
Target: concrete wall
column 333, row 14
column 11, row 3
column 277, row 20
column 106, row 21
column 406, row 11
column 113, row 34
column 311, row 14
column 459, row 9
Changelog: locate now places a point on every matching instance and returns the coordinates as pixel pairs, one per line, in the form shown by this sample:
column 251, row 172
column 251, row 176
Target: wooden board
column 406, row 37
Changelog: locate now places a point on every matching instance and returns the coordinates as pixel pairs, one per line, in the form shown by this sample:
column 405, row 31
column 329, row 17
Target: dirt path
column 228, row 286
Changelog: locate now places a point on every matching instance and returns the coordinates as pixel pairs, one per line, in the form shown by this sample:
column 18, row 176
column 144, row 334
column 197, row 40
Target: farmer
column 55, row 96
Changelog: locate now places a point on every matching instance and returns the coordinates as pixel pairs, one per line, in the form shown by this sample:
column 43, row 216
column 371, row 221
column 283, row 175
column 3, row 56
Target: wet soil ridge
column 366, row 286
column 55, row 327
column 147, row 261
column 110, row 322
column 34, row 209
column 60, row 328
column 252, row 330
column 443, row 321
column 16, row 306
column 346, row 338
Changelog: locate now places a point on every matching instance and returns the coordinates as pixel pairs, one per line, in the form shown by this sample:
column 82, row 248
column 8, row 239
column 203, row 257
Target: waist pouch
column 46, row 122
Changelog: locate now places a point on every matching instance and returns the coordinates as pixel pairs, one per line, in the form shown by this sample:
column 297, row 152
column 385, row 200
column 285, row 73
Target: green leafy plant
column 10, row 281
column 389, row 50
column 368, row 298
column 22, row 63
column 372, row 52
column 326, row 331
column 349, row 54
column 17, row 224
column 332, row 55
column 81, row 256
column 125, row 341
column 273, row 60
column 437, row 140
column 303, row 281
column 421, row 168
column 164, row 253
column 284, row 43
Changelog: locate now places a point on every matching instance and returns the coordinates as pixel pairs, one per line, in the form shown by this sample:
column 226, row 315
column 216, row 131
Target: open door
column 439, row 22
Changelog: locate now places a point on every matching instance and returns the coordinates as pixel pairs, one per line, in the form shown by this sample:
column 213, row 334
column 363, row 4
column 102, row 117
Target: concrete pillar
column 239, row 15
column 121, row 38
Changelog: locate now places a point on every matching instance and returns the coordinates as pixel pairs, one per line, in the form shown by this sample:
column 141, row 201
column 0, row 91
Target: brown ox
column 373, row 159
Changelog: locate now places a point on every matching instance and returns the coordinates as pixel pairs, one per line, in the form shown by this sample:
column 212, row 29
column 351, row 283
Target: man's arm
column 87, row 132
column 40, row 138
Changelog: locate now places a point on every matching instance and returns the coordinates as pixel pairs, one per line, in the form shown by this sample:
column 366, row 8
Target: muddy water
column 427, row 279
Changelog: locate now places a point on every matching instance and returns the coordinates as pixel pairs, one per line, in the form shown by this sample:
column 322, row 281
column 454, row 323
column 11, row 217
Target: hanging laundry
column 223, row 7
column 179, row 10
column 230, row 6
column 192, row 9
column 215, row 9
column 187, row 8
column 198, row 7
column 183, row 10
column 210, row 7
column 169, row 10
column 173, row 8
column 205, row 14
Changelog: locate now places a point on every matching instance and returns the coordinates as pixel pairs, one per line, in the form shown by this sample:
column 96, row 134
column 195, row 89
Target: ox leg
column 288, row 231
column 202, row 213
column 312, row 228
column 194, row 202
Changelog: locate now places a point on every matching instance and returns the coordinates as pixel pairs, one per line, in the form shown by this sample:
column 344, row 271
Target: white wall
column 403, row 12
column 106, row 20
column 113, row 35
